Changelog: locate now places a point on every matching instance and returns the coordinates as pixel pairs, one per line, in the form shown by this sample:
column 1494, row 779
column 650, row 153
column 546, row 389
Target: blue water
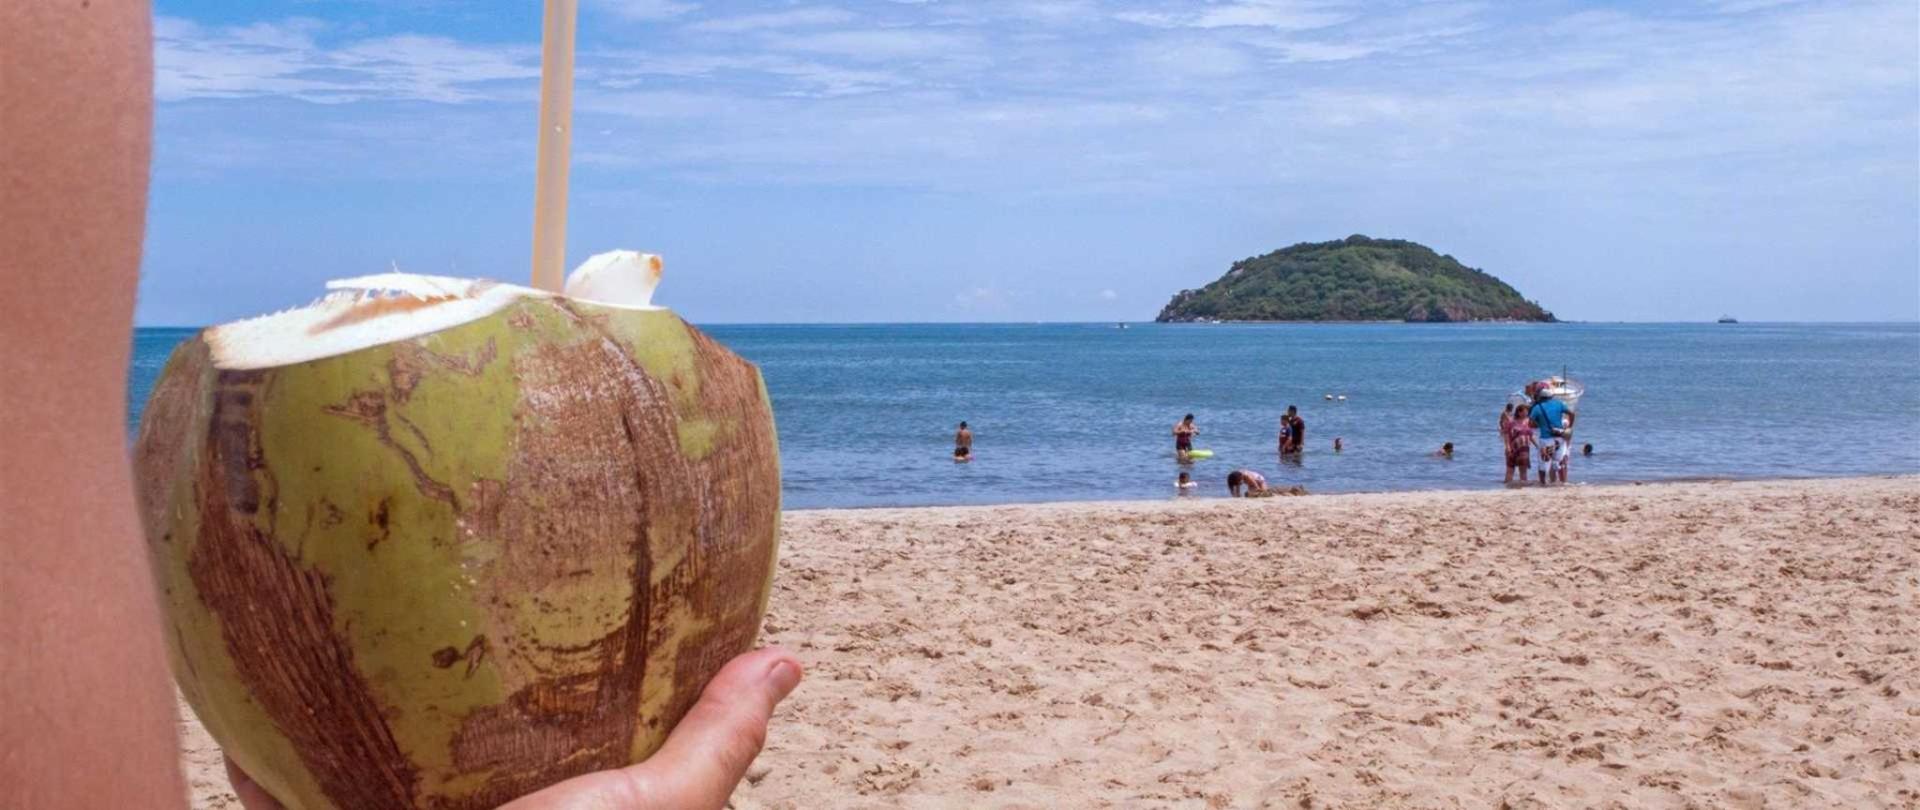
column 1084, row 411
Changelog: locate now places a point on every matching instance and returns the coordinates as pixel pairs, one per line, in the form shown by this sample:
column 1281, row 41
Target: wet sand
column 1749, row 644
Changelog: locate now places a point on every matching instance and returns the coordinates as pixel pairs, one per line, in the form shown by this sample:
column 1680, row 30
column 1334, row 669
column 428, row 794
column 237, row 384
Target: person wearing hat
column 1555, row 423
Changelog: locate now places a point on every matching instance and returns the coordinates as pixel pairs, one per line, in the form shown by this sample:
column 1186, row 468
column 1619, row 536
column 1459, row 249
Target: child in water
column 1185, row 485
column 1445, row 451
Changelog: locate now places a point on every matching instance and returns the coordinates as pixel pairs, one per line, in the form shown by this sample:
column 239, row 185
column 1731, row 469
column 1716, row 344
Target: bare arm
column 88, row 717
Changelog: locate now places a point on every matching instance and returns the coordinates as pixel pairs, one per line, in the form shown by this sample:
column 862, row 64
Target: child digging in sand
column 1252, row 482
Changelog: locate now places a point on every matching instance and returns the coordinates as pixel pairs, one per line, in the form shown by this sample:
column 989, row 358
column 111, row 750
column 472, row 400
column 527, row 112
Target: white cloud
column 645, row 10
column 774, row 20
column 1109, row 295
column 1194, row 59
column 877, row 45
column 284, row 59
column 1283, row 15
column 928, row 97
column 1745, row 6
column 989, row 298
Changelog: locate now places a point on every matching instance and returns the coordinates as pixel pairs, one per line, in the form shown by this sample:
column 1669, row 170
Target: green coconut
column 437, row 543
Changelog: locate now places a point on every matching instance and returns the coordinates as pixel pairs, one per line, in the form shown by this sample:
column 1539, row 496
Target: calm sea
column 1083, row 411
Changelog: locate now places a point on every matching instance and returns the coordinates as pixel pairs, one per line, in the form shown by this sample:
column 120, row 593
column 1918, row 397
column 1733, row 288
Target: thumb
column 709, row 751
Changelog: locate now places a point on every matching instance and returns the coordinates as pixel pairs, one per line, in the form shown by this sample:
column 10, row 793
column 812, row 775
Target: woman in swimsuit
column 1183, row 434
column 1519, row 435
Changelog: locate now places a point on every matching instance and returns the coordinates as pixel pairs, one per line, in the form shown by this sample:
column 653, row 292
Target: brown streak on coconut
column 277, row 621
column 372, row 308
column 411, row 360
column 604, row 474
column 370, row 408
column 709, row 571
column 727, row 568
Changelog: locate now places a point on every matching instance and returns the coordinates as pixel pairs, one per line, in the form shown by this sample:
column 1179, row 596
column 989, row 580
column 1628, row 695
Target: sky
column 1057, row 160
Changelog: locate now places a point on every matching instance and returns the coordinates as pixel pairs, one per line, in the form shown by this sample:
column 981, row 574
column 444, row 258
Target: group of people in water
column 1542, row 426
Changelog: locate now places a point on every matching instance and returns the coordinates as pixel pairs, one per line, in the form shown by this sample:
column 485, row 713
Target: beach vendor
column 1252, row 482
column 1183, row 433
column 1555, row 425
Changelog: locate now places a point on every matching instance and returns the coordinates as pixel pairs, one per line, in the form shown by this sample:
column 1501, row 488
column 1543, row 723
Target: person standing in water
column 963, row 444
column 1555, row 425
column 1293, row 431
column 1517, row 432
column 1183, row 433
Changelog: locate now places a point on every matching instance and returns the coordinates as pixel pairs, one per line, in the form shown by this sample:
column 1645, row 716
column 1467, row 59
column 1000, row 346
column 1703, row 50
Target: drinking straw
column 556, row 135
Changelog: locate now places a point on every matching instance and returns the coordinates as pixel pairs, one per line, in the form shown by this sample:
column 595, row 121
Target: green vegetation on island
column 1353, row 279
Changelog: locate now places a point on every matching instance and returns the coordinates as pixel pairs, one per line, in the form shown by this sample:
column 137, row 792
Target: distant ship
column 1728, row 319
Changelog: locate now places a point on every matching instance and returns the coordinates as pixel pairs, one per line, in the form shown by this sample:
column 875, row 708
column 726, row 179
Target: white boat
column 1563, row 388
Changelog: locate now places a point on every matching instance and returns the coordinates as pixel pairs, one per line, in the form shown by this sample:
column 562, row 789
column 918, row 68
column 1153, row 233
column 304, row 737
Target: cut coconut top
column 371, row 310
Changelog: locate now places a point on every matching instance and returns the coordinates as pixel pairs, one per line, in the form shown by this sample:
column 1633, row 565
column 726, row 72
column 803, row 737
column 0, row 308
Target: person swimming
column 1337, row 446
column 1185, row 484
column 1586, row 449
column 1445, row 451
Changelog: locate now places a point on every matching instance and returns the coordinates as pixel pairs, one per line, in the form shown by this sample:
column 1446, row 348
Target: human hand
column 698, row 767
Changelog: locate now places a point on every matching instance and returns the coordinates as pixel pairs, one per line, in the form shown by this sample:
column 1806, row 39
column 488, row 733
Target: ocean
column 1063, row 412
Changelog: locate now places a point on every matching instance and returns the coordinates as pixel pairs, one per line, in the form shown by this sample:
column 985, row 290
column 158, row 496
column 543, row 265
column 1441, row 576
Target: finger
column 252, row 796
column 710, row 749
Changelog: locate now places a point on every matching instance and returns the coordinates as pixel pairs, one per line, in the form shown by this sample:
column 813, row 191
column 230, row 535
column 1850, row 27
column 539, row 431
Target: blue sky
column 1050, row 159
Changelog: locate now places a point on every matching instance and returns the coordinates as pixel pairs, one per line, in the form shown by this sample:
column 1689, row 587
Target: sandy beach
column 1673, row 645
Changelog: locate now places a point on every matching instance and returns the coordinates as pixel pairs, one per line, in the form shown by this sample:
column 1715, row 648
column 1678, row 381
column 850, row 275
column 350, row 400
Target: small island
column 1353, row 279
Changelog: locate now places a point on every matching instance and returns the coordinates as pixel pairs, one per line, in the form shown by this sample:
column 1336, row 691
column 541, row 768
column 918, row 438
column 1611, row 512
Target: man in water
column 1254, row 483
column 1555, row 423
column 1293, row 431
column 1183, row 434
column 963, row 444
column 1445, row 451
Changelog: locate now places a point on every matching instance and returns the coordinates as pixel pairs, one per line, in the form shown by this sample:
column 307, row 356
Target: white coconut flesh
column 372, row 310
